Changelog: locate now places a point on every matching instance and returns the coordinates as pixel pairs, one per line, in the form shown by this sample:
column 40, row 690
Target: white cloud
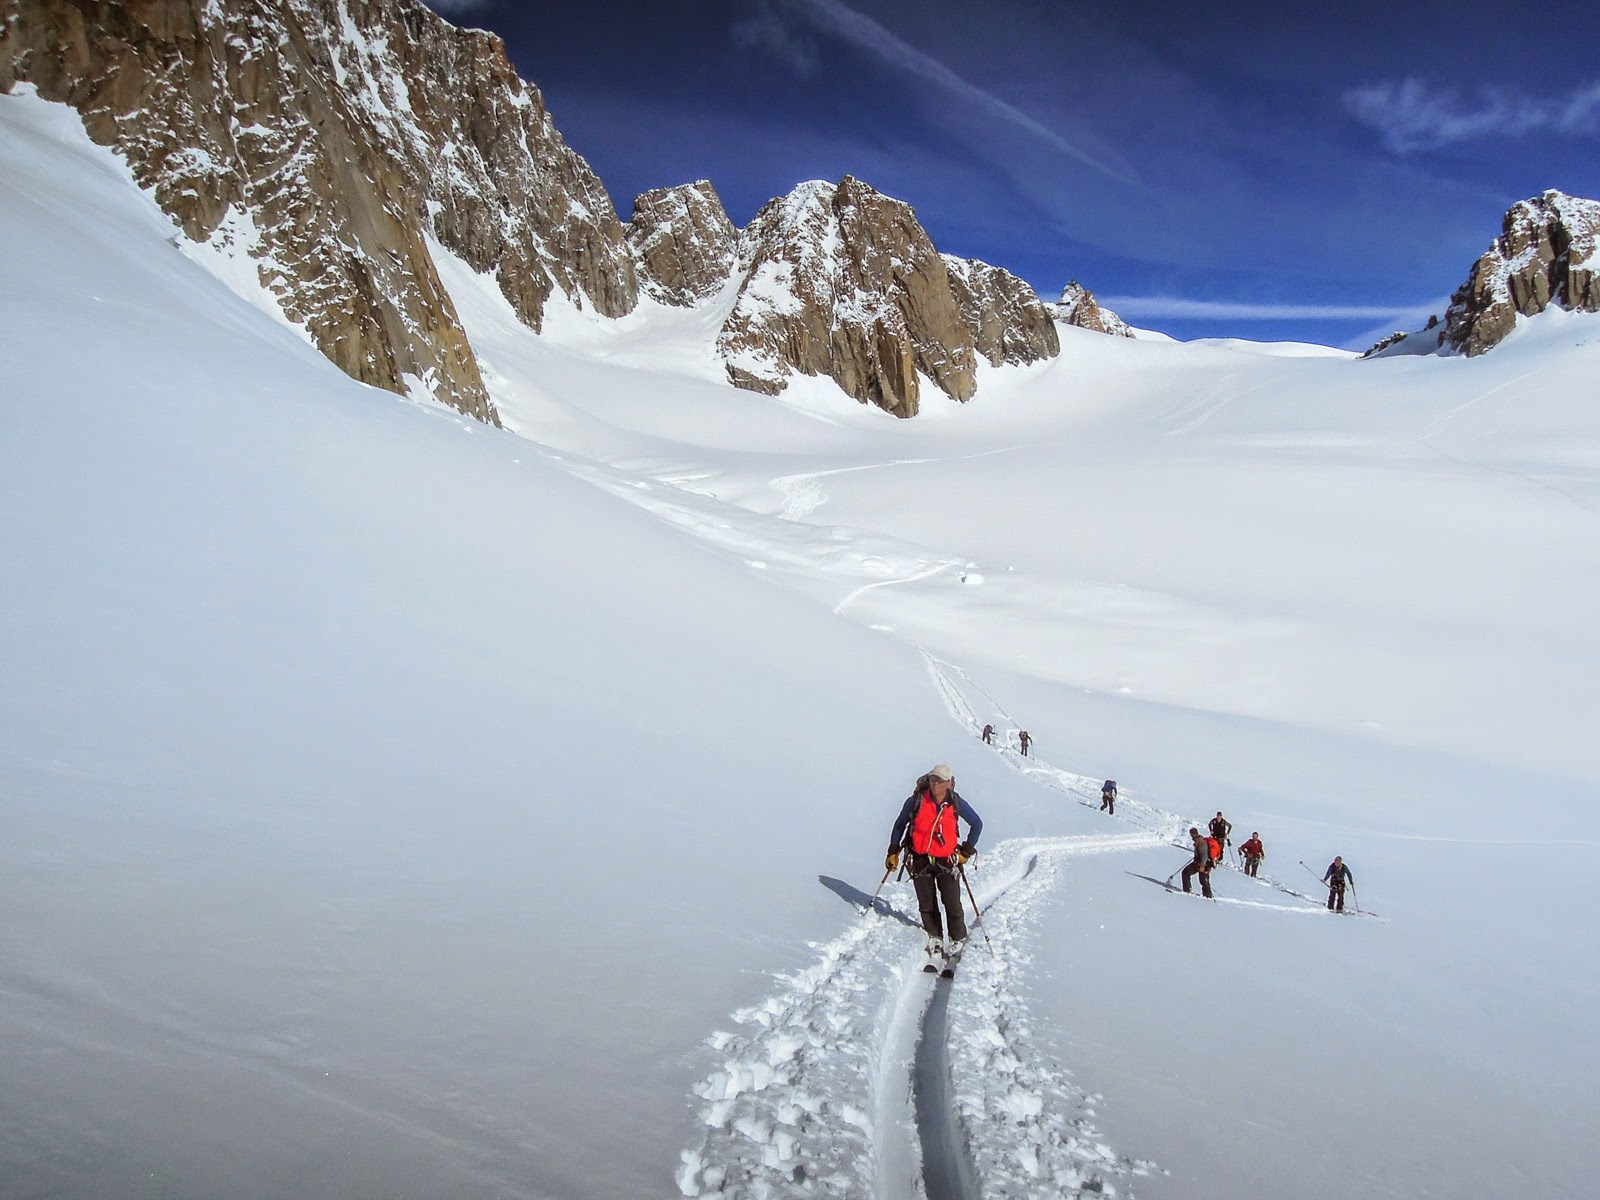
column 458, row 8
column 1145, row 307
column 769, row 32
column 841, row 21
column 1412, row 116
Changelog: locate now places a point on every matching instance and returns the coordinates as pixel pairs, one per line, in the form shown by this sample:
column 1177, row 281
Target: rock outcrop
column 1008, row 321
column 1078, row 307
column 841, row 280
column 1548, row 252
column 683, row 243
column 342, row 132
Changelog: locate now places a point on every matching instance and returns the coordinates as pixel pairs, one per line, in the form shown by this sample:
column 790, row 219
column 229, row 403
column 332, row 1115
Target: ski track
column 815, row 1092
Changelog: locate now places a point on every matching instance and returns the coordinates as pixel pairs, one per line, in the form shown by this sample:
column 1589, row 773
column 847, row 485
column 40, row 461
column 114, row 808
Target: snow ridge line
column 814, row 1087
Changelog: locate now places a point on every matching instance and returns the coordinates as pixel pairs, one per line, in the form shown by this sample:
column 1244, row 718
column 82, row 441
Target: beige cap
column 941, row 772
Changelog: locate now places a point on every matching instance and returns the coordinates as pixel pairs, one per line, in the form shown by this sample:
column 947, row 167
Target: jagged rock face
column 339, row 132
column 1009, row 323
column 1548, row 253
column 840, row 280
column 1078, row 307
column 683, row 243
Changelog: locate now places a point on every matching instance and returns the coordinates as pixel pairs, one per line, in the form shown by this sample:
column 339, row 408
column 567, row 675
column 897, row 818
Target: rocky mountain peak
column 843, row 281
column 683, row 242
column 1548, row 252
column 1078, row 307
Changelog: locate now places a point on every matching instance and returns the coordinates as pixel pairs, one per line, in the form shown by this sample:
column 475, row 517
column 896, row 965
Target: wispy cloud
column 839, row 20
column 1412, row 116
column 1145, row 307
column 457, row 9
column 769, row 32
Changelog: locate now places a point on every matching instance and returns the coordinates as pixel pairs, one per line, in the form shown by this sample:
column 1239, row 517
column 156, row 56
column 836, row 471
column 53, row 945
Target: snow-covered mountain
column 1547, row 254
column 843, row 282
column 328, row 140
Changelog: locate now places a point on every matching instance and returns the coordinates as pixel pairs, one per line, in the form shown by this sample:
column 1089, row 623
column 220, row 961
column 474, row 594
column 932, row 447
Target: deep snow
column 397, row 806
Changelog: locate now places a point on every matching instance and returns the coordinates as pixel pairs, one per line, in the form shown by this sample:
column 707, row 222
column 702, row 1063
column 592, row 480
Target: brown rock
column 840, row 280
column 346, row 130
column 683, row 243
column 1548, row 252
column 1079, row 308
column 1009, row 323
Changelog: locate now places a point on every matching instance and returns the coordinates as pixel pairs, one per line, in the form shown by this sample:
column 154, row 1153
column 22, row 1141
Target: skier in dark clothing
column 1336, row 876
column 1201, row 865
column 1252, row 852
column 988, row 735
column 1108, row 797
column 1221, row 827
column 926, row 830
column 1026, row 742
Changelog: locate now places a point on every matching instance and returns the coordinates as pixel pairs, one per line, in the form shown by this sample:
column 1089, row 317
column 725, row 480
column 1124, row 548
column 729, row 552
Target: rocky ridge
column 341, row 133
column 340, row 143
column 842, row 281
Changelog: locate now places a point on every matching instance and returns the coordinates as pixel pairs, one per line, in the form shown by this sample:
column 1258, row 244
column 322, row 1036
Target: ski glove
column 891, row 860
column 965, row 851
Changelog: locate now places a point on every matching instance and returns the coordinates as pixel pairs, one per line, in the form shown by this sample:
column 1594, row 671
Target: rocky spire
column 683, row 243
column 840, row 280
column 1548, row 252
column 1078, row 307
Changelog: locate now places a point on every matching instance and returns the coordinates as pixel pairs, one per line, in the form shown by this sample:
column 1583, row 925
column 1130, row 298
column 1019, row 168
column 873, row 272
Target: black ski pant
column 935, row 884
column 1336, row 896
column 1108, row 804
column 1251, row 865
column 1194, row 869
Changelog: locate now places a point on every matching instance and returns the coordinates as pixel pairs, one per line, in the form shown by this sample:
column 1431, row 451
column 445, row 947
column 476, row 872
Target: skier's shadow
column 1166, row 883
column 859, row 899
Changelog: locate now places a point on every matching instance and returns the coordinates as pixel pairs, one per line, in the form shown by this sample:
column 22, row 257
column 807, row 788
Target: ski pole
column 873, row 902
column 977, row 912
column 1354, row 899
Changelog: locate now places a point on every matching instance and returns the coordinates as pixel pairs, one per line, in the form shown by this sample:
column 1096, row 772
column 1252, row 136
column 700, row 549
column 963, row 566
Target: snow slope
column 397, row 806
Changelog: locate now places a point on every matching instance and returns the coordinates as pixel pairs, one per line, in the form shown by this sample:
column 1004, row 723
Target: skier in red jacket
column 927, row 831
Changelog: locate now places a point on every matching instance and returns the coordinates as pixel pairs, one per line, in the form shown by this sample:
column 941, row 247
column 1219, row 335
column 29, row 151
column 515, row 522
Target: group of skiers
column 1023, row 738
column 1209, row 848
column 927, row 838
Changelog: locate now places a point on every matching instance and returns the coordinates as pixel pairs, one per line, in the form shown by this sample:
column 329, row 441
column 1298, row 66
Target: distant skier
column 988, row 735
column 1336, row 876
column 1201, row 865
column 1252, row 852
column 926, row 829
column 1108, row 797
column 1221, row 827
column 1026, row 742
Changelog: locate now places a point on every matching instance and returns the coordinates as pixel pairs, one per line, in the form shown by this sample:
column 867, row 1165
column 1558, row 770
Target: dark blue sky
column 1275, row 171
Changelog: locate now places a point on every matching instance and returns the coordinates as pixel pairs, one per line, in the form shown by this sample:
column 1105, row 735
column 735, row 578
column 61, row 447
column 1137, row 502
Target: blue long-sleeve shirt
column 908, row 813
column 1338, row 874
